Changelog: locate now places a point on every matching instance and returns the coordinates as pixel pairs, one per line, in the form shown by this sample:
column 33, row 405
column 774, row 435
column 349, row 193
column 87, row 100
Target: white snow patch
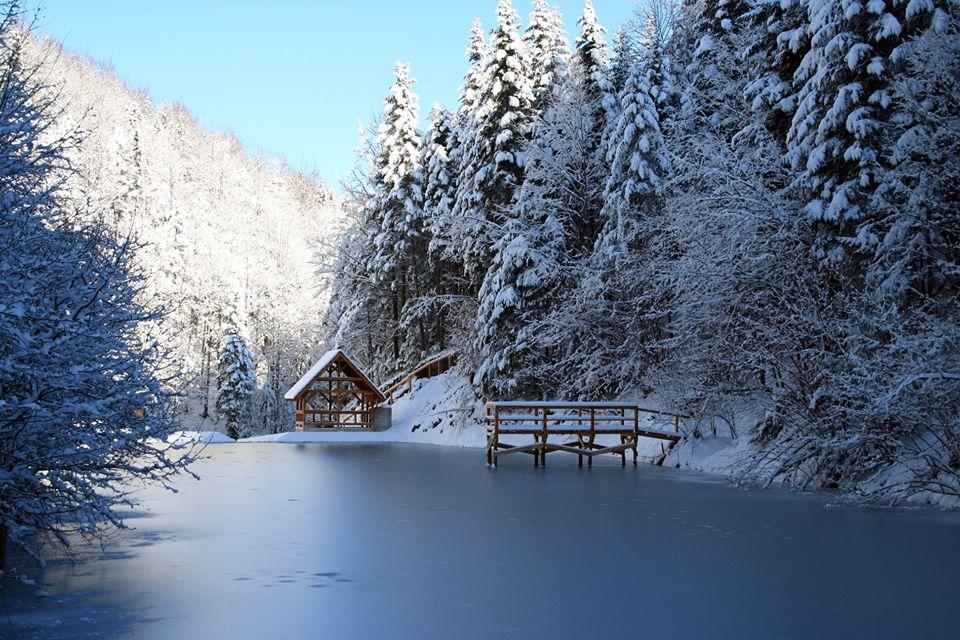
column 202, row 437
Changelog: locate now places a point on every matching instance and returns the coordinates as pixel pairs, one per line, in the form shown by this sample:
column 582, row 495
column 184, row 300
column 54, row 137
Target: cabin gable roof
column 325, row 361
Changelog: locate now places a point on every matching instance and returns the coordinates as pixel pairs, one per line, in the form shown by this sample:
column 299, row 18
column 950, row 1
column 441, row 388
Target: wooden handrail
column 406, row 383
column 514, row 404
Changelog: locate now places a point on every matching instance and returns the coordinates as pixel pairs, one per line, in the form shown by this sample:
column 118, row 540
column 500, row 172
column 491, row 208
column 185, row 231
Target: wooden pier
column 575, row 427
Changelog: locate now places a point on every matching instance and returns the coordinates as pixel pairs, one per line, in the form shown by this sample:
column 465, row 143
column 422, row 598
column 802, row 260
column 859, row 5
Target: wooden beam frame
column 338, row 396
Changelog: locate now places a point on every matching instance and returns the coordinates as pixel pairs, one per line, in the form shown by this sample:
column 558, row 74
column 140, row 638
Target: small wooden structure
column 429, row 368
column 576, row 426
column 335, row 394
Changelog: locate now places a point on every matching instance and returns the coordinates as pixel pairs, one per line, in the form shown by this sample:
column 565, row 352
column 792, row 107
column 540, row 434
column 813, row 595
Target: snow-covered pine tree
column 447, row 241
column 712, row 93
column 523, row 280
column 719, row 18
column 492, row 167
column 549, row 232
column 399, row 236
column 592, row 57
column 439, row 192
column 841, row 133
column 236, row 382
column 610, row 350
column 638, row 163
column 439, row 185
column 623, row 56
column 549, row 51
column 85, row 392
column 656, row 20
column 355, row 318
column 473, row 82
column 918, row 203
column 775, row 58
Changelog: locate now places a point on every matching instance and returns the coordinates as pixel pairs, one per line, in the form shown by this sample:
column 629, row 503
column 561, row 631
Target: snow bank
column 201, row 437
column 442, row 410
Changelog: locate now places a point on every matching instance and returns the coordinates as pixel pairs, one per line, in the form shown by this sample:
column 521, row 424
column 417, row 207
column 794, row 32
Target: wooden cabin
column 335, row 394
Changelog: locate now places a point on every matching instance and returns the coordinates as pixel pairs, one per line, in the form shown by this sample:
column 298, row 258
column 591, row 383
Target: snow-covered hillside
column 230, row 236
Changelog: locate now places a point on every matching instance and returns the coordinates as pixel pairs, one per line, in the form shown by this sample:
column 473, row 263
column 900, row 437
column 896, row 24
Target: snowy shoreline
column 443, row 411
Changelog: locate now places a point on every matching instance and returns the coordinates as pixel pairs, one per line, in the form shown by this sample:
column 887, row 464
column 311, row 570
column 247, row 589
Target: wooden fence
column 427, row 369
column 310, row 419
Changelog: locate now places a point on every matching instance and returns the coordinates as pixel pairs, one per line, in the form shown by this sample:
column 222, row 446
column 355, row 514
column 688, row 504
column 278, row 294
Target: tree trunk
column 395, row 305
column 205, row 373
column 3, row 547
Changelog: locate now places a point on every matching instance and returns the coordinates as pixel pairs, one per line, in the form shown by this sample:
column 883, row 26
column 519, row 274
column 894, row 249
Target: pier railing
column 575, row 427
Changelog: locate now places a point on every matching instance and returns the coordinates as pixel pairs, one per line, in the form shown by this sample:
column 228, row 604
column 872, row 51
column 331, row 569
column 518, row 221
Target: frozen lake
column 401, row 541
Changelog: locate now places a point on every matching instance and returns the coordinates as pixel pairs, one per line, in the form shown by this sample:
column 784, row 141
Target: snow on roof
column 320, row 365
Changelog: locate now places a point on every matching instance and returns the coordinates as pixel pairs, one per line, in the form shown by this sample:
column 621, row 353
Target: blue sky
column 289, row 77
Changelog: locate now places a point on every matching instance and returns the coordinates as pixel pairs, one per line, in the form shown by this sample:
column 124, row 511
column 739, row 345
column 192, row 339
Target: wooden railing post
column 543, row 450
column 593, row 434
column 496, row 432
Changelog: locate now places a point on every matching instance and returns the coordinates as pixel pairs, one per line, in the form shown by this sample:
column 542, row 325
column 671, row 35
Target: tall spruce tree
column 448, row 241
column 775, row 57
column 611, row 301
column 712, row 96
column 439, row 190
column 523, row 333
column 656, row 23
column 549, row 51
column 918, row 203
column 841, row 132
column 473, row 81
column 399, row 234
column 439, row 185
column 638, row 163
column 492, row 166
column 592, row 56
column 623, row 56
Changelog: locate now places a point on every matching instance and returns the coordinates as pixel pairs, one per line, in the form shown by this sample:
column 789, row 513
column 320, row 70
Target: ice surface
column 396, row 541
